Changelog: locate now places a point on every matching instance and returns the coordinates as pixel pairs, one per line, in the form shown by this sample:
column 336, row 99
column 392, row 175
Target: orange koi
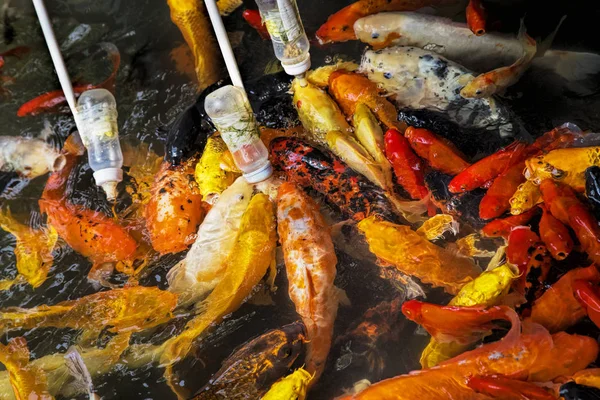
column 558, row 308
column 555, row 235
column 254, row 19
column 340, row 26
column 503, row 227
column 350, row 89
column 497, row 199
column 90, row 233
column 476, row 17
column 588, row 377
column 521, row 243
column 439, row 153
column 588, row 297
column 49, row 101
column 310, row 263
column 499, row 387
column 463, row 325
column 406, row 165
column 175, row 208
column 568, row 209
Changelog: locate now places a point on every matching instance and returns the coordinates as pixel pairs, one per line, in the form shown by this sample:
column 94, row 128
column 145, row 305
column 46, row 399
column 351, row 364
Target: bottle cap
column 260, row 175
column 108, row 178
column 297, row 68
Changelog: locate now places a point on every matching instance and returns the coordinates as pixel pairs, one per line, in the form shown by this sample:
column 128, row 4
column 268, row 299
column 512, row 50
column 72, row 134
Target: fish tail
column 79, row 371
column 544, row 46
column 115, row 57
column 530, row 47
column 580, row 70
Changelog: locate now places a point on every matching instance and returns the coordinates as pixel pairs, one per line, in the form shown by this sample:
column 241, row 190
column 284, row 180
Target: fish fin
column 343, row 298
column 544, row 45
column 8, row 283
column 74, row 145
column 580, row 70
column 17, row 350
column 79, row 371
column 530, row 46
column 411, row 210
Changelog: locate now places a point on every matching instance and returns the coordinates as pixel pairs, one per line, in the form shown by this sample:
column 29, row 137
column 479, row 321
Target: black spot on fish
column 456, row 74
column 440, row 69
column 374, row 35
column 345, row 28
column 387, row 75
column 427, row 57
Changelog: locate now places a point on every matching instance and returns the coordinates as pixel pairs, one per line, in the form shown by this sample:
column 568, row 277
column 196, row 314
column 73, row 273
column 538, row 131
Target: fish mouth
column 296, row 335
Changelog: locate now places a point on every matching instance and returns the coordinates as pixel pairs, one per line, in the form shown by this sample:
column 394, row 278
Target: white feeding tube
column 57, row 59
column 223, row 39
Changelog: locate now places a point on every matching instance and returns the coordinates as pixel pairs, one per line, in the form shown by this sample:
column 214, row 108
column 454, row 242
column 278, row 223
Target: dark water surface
column 150, row 92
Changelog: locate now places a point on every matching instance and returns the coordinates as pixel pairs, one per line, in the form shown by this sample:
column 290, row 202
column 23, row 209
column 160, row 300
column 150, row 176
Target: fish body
column 407, row 167
column 292, row 387
column 439, row 154
column 497, row 199
column 504, row 388
column 128, row 309
column 33, row 250
column 201, row 269
column 587, row 294
column 210, row 177
column 502, row 227
column 555, row 236
column 412, row 254
column 310, row 263
column 174, row 210
column 349, row 191
column 558, row 308
column 422, row 79
column 339, row 26
column 245, row 266
column 27, row 381
column 476, row 17
column 250, row 370
column 521, row 242
column 191, row 19
column 29, row 158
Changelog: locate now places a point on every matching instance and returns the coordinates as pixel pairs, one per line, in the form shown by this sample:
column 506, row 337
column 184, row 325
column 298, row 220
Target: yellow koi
column 467, row 246
column 435, row 227
column 292, row 387
column 527, row 196
column 252, row 254
column 33, row 250
column 211, row 178
column 485, row 290
column 226, row 7
column 320, row 76
column 412, row 254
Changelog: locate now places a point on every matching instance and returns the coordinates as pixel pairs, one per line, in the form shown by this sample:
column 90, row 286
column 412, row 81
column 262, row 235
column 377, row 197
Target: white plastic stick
column 223, row 39
column 59, row 64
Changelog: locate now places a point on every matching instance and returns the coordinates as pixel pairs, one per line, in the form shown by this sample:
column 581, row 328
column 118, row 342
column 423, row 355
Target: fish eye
column 478, row 91
column 285, row 351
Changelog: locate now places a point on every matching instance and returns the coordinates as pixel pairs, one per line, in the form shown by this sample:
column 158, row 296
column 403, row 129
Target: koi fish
column 293, row 386
column 33, row 250
column 338, row 27
column 588, row 298
column 310, row 263
column 174, row 210
column 350, row 89
column 27, row 381
column 468, row 246
column 226, row 7
column 128, row 309
column 250, row 370
column 29, row 158
column 463, row 325
column 250, row 257
column 558, row 308
column 413, row 255
column 436, row 226
column 320, row 76
column 542, row 357
column 51, row 100
column 439, row 154
column 407, row 167
column 202, row 268
column 499, row 387
column 521, row 242
column 588, row 377
column 476, row 17
column 90, row 233
column 497, row 199
column 485, row 291
column 502, row 227
column 421, row 79
column 190, row 17
column 189, row 133
column 526, row 197
column 308, row 166
column 555, row 235
column 568, row 209
column 254, row 19
column 563, row 165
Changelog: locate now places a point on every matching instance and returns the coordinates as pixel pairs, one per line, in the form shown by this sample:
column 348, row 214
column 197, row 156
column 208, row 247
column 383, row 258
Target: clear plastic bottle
column 97, row 123
column 290, row 42
column 230, row 111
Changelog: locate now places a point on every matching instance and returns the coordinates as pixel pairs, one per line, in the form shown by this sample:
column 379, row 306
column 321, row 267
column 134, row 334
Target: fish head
column 413, row 310
column 479, row 88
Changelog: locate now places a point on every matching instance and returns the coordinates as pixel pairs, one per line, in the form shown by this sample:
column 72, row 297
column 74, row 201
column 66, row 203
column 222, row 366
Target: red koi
column 558, row 308
column 568, row 209
column 464, row 325
column 503, row 388
column 439, row 154
column 503, row 227
column 254, row 19
column 589, row 298
column 555, row 235
column 497, row 199
column 407, row 166
column 476, row 17
column 531, row 283
column 521, row 242
column 49, row 101
column 489, row 167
